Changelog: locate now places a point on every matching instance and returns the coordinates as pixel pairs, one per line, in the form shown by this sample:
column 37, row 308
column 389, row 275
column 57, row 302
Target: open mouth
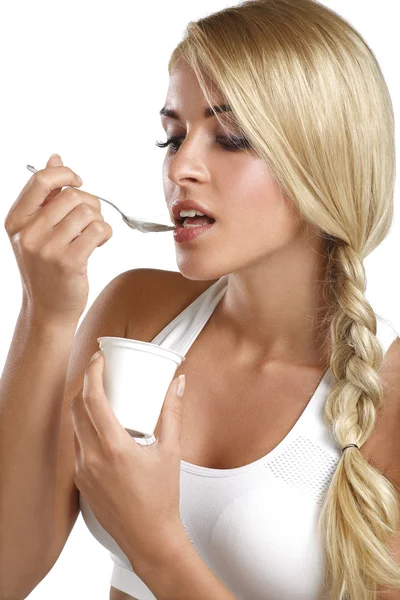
column 196, row 221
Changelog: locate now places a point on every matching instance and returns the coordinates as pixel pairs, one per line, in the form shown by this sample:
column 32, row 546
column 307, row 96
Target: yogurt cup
column 136, row 379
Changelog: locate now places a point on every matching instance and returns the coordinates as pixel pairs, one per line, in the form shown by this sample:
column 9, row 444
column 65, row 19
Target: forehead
column 185, row 96
column 183, row 75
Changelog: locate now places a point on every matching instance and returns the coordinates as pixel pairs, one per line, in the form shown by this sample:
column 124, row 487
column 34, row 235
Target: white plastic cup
column 136, row 379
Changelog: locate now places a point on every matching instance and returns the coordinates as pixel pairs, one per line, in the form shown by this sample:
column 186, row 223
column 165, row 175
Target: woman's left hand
column 133, row 490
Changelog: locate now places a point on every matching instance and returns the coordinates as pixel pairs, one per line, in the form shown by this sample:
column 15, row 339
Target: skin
column 273, row 303
column 269, row 311
column 274, row 260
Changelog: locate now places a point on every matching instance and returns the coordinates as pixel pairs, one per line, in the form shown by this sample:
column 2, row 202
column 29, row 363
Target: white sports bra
column 255, row 526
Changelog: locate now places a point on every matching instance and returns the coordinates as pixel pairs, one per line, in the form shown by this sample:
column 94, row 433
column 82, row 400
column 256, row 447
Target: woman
column 307, row 195
column 285, row 355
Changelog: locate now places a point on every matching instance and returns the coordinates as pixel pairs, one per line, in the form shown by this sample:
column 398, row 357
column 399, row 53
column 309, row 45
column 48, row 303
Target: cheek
column 167, row 183
column 257, row 201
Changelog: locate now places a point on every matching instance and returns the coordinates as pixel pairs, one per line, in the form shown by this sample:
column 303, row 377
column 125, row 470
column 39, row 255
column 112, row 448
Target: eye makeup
column 230, row 143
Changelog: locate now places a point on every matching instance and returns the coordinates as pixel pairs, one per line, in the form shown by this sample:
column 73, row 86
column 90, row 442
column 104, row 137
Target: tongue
column 199, row 220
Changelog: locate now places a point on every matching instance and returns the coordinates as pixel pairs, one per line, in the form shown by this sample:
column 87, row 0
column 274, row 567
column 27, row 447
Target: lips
column 188, row 205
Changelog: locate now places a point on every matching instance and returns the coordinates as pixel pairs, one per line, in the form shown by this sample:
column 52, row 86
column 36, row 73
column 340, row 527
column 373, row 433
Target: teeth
column 191, row 213
column 186, row 226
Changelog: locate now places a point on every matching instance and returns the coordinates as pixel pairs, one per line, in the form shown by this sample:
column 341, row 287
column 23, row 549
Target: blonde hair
column 307, row 92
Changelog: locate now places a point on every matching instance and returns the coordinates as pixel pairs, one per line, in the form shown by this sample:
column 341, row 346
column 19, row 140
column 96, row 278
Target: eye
column 231, row 144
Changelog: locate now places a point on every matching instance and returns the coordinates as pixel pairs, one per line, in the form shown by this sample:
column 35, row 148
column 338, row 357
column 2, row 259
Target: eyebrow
column 208, row 112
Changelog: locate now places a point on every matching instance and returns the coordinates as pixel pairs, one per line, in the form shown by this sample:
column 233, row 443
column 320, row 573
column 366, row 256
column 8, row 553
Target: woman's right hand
column 44, row 226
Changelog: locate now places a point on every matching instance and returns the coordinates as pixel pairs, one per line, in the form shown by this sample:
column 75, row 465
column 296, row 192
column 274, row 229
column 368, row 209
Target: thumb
column 171, row 415
column 54, row 161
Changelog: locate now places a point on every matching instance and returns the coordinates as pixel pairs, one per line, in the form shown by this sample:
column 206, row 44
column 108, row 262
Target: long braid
column 360, row 511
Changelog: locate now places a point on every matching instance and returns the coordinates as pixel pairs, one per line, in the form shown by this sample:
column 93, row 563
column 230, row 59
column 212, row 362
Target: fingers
column 66, row 215
column 43, row 182
column 96, row 403
column 33, row 194
column 172, row 415
column 54, row 161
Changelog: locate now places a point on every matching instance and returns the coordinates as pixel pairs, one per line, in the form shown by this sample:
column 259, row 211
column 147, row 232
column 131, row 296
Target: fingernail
column 55, row 156
column 181, row 385
column 96, row 356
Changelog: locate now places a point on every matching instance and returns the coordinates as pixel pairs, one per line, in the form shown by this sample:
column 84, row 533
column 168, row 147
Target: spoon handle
column 33, row 170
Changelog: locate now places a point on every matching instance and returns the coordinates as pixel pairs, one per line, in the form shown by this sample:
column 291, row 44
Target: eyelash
column 239, row 143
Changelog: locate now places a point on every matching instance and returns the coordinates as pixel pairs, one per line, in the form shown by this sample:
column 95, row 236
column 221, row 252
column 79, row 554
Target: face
column 253, row 220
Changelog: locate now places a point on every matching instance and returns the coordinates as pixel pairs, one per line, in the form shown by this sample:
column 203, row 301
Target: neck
column 273, row 312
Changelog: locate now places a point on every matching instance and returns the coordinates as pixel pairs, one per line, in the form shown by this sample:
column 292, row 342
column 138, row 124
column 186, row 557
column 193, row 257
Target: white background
column 87, row 80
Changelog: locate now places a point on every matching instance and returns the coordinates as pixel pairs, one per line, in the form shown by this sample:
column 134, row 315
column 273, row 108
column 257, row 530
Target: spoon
column 134, row 223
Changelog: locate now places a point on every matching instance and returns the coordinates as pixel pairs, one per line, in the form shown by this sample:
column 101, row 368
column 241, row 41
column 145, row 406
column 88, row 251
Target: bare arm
column 31, row 394
column 179, row 573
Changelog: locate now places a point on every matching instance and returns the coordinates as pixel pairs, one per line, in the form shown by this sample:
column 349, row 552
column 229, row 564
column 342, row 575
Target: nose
column 187, row 164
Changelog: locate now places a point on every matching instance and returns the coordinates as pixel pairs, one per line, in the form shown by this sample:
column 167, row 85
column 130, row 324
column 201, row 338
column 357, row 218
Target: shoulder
column 390, row 376
column 154, row 297
column 142, row 281
column 388, row 426
column 383, row 447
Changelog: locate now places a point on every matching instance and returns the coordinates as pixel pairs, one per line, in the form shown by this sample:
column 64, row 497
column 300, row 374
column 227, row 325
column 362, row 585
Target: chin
column 196, row 272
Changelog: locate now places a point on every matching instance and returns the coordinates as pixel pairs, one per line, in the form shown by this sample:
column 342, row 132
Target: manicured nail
column 181, row 385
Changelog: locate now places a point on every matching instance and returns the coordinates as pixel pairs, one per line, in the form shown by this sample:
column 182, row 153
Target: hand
column 133, row 490
column 53, row 233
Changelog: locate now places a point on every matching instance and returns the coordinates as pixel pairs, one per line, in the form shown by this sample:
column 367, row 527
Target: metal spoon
column 134, row 223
